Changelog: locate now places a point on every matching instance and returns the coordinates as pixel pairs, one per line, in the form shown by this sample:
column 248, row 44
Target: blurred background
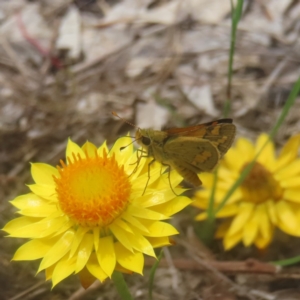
column 66, row 65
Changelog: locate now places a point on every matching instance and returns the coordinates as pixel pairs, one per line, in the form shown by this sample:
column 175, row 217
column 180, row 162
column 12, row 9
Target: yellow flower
column 269, row 197
column 90, row 216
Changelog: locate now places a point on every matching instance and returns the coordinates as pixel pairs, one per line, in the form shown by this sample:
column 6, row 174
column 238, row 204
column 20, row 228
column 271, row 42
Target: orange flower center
column 260, row 185
column 92, row 191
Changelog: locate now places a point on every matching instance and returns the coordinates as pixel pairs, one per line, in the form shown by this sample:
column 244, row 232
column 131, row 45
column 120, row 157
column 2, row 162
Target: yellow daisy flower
column 269, row 197
column 90, row 215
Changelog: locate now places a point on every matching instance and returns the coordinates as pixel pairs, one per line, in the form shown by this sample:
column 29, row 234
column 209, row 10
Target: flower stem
column 121, row 286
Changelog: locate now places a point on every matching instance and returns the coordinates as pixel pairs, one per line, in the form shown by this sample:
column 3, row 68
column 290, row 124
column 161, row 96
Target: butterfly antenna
column 116, row 115
column 122, row 148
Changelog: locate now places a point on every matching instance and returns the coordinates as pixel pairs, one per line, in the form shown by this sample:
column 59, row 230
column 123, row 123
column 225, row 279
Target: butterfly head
column 142, row 137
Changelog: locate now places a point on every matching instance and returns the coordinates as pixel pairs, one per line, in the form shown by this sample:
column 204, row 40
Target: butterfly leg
column 139, row 157
column 169, row 177
column 149, row 165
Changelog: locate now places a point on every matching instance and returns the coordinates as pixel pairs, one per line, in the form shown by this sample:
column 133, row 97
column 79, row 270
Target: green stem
column 121, row 286
column 152, row 274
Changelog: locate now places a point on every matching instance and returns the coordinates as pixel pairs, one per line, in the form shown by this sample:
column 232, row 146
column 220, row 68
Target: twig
column 250, row 266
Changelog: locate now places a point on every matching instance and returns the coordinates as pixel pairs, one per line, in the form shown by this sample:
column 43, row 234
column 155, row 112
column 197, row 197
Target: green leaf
column 287, row 262
column 236, row 16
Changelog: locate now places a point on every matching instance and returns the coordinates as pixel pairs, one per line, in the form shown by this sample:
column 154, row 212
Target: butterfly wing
column 199, row 154
column 220, row 133
column 189, row 156
column 196, row 129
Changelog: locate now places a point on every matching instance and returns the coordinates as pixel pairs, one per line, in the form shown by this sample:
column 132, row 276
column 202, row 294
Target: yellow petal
column 140, row 243
column 95, row 269
column 66, row 225
column 129, row 260
column 106, row 255
column 158, row 241
column 157, row 197
column 32, row 205
column 96, row 234
column 102, row 148
column 230, row 241
column 13, row 226
column 262, row 242
column 64, row 268
column 43, row 173
column 122, row 149
column 39, row 229
column 158, row 229
column 145, row 213
column 228, row 211
column 288, row 171
column 288, row 153
column 84, row 252
column 292, row 195
column 201, row 217
column 286, row 215
column 228, row 175
column 207, row 180
column 119, row 222
column 49, row 272
column 136, row 166
column 90, row 149
column 73, row 151
column 86, row 278
column 34, row 249
column 134, row 222
column 121, row 236
column 242, row 217
column 167, row 180
column 267, row 156
column 45, row 191
column 295, row 231
column 291, row 147
column 202, row 197
column 291, row 182
column 78, row 236
column 28, row 200
column 144, row 163
column 250, row 229
column 42, row 211
column 53, row 225
column 144, row 181
column 265, row 228
column 222, row 229
column 246, row 147
column 271, row 209
column 234, row 159
column 172, row 207
column 59, row 250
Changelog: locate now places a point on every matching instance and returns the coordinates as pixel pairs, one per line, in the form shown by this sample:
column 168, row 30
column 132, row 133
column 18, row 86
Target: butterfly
column 190, row 150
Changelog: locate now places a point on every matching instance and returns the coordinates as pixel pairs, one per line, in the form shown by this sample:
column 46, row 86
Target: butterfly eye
column 146, row 141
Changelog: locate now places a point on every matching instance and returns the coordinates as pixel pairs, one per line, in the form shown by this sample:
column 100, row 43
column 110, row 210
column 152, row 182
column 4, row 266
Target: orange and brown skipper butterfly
column 190, row 150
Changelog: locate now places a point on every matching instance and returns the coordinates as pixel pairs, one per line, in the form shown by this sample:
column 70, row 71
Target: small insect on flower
column 190, row 150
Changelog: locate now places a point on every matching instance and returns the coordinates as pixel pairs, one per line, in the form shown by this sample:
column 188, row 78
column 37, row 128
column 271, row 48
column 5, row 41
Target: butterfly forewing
column 196, row 130
column 221, row 133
